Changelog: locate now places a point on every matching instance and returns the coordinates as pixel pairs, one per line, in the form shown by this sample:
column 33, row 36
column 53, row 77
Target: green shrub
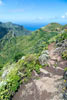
column 5, row 94
column 64, row 55
column 21, row 70
column 1, row 66
column 37, row 68
column 61, row 37
column 12, row 83
column 65, row 69
column 18, row 56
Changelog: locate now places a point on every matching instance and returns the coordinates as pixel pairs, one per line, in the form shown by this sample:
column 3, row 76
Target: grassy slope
column 33, row 43
column 21, row 71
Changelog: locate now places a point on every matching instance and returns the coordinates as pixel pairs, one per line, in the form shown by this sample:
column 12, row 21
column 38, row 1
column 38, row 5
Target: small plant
column 1, row 66
column 65, row 69
column 37, row 68
column 18, row 56
column 64, row 55
column 37, row 78
column 55, row 65
column 46, row 65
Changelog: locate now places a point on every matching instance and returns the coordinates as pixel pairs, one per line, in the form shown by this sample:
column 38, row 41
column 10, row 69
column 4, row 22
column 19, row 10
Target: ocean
column 33, row 27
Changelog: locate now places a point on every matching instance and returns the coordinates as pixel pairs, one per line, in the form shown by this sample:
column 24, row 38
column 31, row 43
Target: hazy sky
column 39, row 11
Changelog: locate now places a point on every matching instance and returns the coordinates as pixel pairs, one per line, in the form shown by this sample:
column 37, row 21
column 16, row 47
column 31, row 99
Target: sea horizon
column 35, row 26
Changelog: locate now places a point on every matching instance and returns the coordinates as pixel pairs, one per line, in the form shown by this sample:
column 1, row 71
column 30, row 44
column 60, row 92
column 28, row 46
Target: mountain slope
column 53, row 27
column 14, row 29
column 37, row 56
column 34, row 43
column 10, row 44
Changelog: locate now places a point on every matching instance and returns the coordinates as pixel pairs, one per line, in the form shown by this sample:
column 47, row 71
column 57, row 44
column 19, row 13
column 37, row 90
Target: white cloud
column 51, row 18
column 1, row 2
column 64, row 16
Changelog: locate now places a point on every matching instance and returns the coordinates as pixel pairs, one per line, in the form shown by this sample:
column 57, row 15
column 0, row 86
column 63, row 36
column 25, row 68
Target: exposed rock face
column 43, row 59
column 61, row 46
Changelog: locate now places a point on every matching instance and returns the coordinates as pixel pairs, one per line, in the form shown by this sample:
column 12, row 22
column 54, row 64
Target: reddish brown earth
column 48, row 85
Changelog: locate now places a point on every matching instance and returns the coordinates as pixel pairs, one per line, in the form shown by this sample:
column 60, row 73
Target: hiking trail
column 48, row 85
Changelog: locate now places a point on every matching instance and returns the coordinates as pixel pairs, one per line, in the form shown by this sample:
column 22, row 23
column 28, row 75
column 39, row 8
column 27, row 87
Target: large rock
column 65, row 75
column 59, row 44
column 65, row 96
column 65, row 84
column 64, row 43
column 45, row 52
column 5, row 73
column 23, row 58
column 43, row 59
column 2, row 83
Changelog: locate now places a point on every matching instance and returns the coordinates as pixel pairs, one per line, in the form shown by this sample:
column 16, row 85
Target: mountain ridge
column 15, row 29
column 24, row 57
column 10, row 44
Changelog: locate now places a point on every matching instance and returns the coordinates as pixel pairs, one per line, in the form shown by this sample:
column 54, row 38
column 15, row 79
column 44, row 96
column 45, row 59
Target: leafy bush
column 21, row 71
column 64, row 55
column 37, row 68
column 61, row 37
column 65, row 69
column 10, row 88
column 1, row 66
column 18, row 56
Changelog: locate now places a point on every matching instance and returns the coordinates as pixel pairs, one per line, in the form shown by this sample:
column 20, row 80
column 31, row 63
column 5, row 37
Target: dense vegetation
column 34, row 43
column 19, row 56
column 18, row 73
column 62, row 42
column 16, row 30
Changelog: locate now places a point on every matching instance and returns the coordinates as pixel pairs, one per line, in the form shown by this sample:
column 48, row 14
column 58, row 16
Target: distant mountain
column 53, row 27
column 65, row 26
column 14, row 29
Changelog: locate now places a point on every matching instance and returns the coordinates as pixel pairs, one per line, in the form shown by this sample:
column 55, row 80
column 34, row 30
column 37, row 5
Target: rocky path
column 47, row 85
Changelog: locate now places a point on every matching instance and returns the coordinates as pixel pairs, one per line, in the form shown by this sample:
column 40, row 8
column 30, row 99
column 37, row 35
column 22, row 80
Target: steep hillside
column 37, row 56
column 14, row 42
column 53, row 27
column 29, row 44
column 15, row 29
column 65, row 26
column 42, row 65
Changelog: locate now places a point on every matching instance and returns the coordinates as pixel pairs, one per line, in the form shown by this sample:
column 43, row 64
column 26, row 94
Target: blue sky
column 33, row 11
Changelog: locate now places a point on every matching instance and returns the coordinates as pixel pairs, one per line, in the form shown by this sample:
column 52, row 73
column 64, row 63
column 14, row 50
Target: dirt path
column 48, row 85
